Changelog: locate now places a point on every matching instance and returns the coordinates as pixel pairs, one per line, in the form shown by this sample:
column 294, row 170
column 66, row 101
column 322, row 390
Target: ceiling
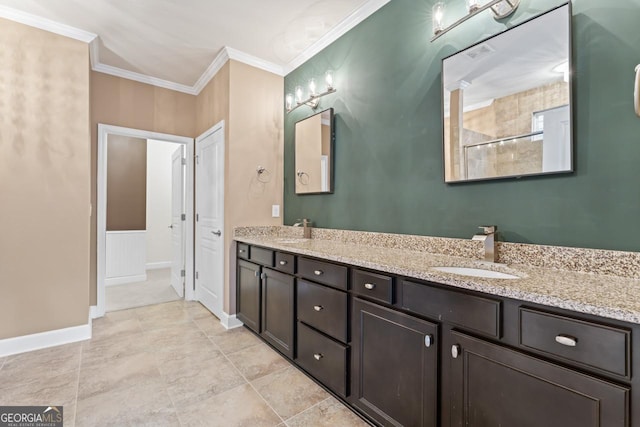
column 180, row 44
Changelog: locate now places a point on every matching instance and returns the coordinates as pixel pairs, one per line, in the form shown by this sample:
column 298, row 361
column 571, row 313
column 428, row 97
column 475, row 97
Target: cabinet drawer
column 323, row 358
column 285, row 262
column 372, row 285
column 261, row 256
column 323, row 308
column 243, row 251
column 584, row 343
column 323, row 272
column 474, row 313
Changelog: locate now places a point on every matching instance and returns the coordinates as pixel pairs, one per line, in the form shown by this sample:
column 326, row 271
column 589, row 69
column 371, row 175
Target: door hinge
column 184, row 161
column 197, row 275
column 183, row 273
column 197, row 217
column 197, row 159
column 183, row 217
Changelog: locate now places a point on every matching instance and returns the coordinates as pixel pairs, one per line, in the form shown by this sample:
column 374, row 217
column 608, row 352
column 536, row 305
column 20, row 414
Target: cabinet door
column 248, row 305
column 395, row 360
column 278, row 315
column 495, row 386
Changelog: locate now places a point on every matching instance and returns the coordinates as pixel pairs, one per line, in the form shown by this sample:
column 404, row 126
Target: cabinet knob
column 241, row 251
column 318, row 356
column 455, row 351
column 428, row 340
column 283, row 262
column 369, row 286
column 318, row 272
column 318, row 307
column 567, row 340
column 257, row 273
column 263, row 276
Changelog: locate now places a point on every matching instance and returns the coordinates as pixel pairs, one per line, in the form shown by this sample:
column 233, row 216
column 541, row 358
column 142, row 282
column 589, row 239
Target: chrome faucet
column 307, row 227
column 489, row 239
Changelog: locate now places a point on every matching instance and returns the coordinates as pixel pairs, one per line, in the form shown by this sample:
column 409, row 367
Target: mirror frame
column 332, row 138
column 572, row 160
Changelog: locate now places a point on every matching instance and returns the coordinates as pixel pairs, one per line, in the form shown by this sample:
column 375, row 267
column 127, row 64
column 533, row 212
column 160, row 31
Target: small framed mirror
column 507, row 103
column 314, row 139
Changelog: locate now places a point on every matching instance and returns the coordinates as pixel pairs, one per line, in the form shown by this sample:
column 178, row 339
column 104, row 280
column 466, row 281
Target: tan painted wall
column 126, row 183
column 256, row 138
column 250, row 101
column 122, row 102
column 44, row 181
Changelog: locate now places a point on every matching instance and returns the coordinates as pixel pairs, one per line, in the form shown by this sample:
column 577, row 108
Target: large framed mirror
column 507, row 102
column 314, row 139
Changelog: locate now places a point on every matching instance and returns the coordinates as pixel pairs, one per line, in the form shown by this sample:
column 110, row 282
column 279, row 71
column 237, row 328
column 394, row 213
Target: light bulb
column 289, row 101
column 328, row 78
column 473, row 5
column 438, row 17
column 312, row 87
column 298, row 94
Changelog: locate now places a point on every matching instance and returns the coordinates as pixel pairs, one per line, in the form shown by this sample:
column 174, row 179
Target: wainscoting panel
column 126, row 257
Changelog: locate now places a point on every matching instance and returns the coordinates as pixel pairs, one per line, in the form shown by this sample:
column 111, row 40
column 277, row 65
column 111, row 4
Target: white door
column 209, row 220
column 177, row 221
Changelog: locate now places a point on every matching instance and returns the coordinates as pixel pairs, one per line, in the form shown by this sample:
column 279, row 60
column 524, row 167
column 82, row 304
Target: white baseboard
column 230, row 321
column 158, row 265
column 93, row 312
column 47, row 339
column 110, row 281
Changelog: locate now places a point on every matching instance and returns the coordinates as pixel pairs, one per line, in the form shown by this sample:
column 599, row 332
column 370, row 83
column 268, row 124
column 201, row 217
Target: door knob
column 217, row 233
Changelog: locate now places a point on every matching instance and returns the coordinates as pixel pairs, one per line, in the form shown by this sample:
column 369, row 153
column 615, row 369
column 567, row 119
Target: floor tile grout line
column 254, row 389
column 308, row 409
column 75, row 410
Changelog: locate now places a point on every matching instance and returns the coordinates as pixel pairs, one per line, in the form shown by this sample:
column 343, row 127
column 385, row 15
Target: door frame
column 103, row 131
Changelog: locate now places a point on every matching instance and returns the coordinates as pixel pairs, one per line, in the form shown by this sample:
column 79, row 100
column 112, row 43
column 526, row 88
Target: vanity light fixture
column 295, row 100
column 500, row 8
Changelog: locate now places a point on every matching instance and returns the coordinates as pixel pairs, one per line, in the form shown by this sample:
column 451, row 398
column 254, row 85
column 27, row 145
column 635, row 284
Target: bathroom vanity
column 403, row 344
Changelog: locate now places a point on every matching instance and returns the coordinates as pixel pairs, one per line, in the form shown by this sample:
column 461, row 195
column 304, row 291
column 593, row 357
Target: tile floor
column 169, row 364
column 155, row 290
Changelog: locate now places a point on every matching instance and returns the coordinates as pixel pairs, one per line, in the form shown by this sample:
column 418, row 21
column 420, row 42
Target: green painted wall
column 388, row 159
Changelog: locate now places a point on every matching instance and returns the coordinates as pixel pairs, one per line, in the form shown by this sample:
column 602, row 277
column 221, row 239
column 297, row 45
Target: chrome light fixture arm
column 500, row 8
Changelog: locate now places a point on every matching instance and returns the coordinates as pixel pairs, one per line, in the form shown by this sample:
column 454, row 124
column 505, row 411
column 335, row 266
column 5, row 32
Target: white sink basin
column 291, row 240
column 475, row 272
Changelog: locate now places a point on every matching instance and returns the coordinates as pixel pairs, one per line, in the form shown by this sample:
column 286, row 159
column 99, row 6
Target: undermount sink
column 476, row 272
column 291, row 240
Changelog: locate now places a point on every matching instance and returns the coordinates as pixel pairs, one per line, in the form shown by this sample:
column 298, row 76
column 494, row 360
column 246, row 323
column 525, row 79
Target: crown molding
column 143, row 78
column 211, row 71
column 254, row 61
column 359, row 15
column 46, row 24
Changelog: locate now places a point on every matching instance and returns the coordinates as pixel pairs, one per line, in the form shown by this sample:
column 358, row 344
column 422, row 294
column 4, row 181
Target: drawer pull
column 428, row 340
column 369, row 286
column 318, row 272
column 283, row 262
column 318, row 356
column 257, row 273
column 318, row 307
column 567, row 340
column 455, row 351
column 241, row 251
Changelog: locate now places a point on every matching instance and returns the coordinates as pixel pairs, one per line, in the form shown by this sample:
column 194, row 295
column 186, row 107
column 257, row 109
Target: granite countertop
column 602, row 295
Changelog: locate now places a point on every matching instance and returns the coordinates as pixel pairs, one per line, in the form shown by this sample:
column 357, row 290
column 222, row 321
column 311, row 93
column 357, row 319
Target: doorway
column 179, row 269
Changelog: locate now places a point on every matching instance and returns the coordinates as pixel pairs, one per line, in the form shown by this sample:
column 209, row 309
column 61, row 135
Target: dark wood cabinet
column 492, row 385
column 407, row 352
column 278, row 316
column 248, row 294
column 395, row 366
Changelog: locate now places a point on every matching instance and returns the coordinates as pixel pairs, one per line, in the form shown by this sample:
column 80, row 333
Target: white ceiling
column 173, row 43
